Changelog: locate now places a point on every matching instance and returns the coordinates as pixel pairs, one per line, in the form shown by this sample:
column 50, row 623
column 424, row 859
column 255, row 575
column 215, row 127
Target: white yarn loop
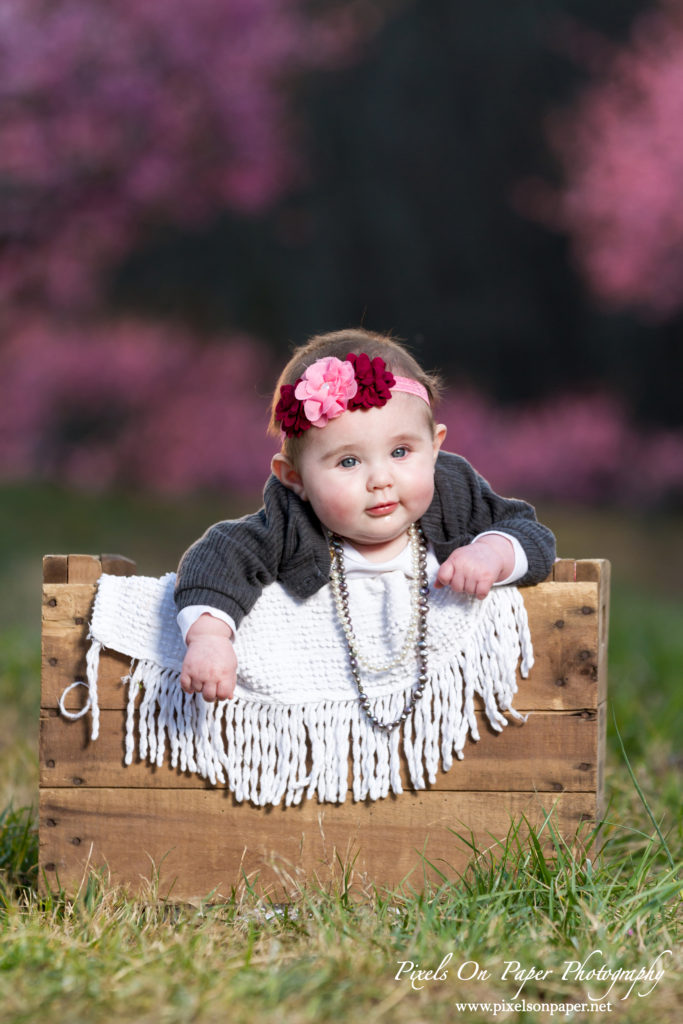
column 91, row 705
column 74, row 715
column 295, row 724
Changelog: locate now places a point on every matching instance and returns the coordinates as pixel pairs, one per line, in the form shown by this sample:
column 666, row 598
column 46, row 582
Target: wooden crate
column 142, row 823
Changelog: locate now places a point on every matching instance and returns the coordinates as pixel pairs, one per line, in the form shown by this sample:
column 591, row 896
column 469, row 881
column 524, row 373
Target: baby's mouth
column 384, row 509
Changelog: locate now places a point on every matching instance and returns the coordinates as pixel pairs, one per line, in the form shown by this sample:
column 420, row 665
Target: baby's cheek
column 331, row 509
column 341, row 509
column 424, row 493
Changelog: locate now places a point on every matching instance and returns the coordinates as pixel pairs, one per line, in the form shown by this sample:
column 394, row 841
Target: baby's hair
column 340, row 343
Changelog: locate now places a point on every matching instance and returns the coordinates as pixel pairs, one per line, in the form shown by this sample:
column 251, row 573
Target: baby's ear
column 288, row 475
column 439, row 438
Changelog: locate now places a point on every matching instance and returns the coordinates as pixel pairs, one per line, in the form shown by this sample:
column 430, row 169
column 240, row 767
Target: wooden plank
column 579, row 570
column 589, row 570
column 553, row 752
column 600, row 759
column 564, row 570
column 569, row 673
column 55, row 568
column 117, row 565
column 598, row 570
column 66, row 613
column 200, row 842
column 68, row 605
column 84, row 568
column 564, row 622
column 67, row 608
column 603, row 626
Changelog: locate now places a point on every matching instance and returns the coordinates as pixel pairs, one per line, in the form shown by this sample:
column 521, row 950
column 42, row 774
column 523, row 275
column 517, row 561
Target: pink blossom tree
column 135, row 405
column 116, row 117
column 621, row 150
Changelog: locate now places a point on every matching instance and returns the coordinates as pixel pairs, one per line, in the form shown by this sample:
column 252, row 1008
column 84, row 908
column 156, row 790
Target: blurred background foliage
column 186, row 194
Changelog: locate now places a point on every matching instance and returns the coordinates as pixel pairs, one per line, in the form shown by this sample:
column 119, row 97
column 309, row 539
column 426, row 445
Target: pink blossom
column 117, row 117
column 578, row 448
column 325, row 389
column 145, row 405
column 621, row 149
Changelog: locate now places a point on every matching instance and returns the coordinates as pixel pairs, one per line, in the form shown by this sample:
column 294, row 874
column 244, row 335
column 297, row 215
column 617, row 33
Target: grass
column 335, row 956
column 613, row 900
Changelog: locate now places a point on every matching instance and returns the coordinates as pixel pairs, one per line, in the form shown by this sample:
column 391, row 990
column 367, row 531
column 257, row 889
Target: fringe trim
column 266, row 752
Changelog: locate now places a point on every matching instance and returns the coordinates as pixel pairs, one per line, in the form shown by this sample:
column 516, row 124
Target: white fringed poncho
column 295, row 722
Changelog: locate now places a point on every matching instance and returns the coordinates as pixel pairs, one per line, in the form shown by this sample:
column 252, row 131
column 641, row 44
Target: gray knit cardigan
column 228, row 567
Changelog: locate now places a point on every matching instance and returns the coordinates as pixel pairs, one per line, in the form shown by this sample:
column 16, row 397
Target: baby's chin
column 382, row 549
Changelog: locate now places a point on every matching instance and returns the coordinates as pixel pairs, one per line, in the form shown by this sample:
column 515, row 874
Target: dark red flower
column 373, row 379
column 289, row 412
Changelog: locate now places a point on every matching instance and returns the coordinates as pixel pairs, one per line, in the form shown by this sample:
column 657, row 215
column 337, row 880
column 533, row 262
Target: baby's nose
column 379, row 477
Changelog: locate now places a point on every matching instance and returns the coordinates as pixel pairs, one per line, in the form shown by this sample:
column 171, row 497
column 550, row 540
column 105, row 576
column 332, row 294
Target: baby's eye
column 348, row 462
column 400, row 452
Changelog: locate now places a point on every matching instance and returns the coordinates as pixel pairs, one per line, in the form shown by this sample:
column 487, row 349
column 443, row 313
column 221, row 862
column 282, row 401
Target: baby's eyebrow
column 406, row 437
column 341, row 449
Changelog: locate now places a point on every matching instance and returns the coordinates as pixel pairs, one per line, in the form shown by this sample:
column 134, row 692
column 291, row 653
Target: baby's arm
column 467, row 511
column 222, row 574
column 210, row 665
column 474, row 568
column 228, row 567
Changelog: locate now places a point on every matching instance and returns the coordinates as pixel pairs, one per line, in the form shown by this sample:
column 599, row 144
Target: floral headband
column 330, row 386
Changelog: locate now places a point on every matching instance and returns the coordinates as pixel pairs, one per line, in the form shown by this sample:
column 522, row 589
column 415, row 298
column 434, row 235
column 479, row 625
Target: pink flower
column 325, row 389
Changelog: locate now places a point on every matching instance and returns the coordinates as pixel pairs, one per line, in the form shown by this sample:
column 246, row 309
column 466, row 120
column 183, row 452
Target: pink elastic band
column 411, row 387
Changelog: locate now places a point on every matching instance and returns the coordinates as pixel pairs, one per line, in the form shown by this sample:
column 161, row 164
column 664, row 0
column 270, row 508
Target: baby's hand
column 210, row 665
column 475, row 568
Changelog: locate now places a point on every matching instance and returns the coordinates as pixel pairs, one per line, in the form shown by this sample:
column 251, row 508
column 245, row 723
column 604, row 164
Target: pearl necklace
column 416, row 635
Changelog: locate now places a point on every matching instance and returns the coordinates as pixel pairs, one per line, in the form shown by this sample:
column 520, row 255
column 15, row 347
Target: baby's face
column 369, row 473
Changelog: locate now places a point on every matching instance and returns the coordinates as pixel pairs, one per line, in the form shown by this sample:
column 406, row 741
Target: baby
column 360, row 464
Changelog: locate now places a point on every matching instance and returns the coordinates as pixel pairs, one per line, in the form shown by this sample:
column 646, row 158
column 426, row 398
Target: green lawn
column 334, row 956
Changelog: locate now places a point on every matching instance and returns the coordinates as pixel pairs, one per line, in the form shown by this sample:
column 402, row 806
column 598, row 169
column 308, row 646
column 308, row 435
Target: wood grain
column 200, row 842
column 117, row 565
column 84, row 568
column 553, row 752
column 55, row 568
